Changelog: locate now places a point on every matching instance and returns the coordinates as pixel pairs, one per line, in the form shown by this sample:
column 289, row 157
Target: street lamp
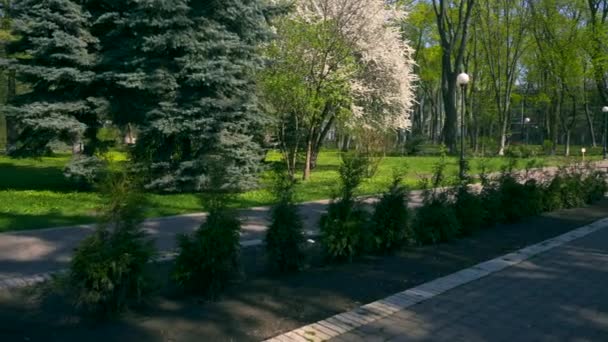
column 462, row 80
column 605, row 111
column 583, row 151
column 527, row 122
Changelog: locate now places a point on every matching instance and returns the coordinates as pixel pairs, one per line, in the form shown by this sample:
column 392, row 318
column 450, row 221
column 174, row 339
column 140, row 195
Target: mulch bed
column 261, row 306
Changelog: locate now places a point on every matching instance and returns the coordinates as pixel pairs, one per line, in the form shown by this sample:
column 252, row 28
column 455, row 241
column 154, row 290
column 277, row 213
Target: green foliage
column 55, row 56
column 108, row 270
column 522, row 151
column 574, row 187
column 284, row 236
column 513, row 196
column 491, row 199
column 469, row 209
column 570, row 188
column 35, row 194
column 535, row 193
column 182, row 73
column 305, row 84
column 353, row 171
column 390, row 221
column 208, row 259
column 436, row 220
column 84, row 171
column 547, row 147
column 595, row 186
column 509, row 198
column 415, row 145
column 343, row 227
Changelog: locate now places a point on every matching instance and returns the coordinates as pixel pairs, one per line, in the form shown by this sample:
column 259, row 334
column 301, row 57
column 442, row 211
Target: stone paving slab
column 554, row 291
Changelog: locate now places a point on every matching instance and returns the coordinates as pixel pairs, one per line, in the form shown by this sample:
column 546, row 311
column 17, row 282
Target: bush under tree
column 436, row 220
column 468, row 209
column 208, row 259
column 284, row 237
column 343, row 227
column 108, row 272
column 389, row 225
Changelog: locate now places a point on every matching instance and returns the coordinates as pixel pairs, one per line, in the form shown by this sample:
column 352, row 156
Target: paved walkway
column 557, row 293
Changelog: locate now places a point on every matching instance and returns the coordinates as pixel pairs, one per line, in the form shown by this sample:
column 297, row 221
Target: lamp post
column 527, row 123
column 462, row 80
column 605, row 111
column 583, row 150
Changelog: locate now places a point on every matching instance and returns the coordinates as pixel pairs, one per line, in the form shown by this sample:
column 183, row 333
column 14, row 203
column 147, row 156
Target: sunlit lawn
column 34, row 193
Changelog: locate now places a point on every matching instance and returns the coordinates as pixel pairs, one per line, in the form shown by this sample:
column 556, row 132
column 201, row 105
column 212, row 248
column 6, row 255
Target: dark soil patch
column 261, row 306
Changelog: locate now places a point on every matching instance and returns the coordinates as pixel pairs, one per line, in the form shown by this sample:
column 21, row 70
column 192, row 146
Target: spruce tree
column 182, row 72
column 210, row 125
column 54, row 58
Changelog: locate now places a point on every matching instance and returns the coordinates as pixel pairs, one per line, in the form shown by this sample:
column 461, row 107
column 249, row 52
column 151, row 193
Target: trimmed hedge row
column 108, row 271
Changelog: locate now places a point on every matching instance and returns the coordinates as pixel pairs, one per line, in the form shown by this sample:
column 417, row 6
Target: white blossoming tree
column 336, row 61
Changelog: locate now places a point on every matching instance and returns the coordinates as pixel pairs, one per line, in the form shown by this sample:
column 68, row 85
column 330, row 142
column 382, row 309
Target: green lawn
column 34, row 193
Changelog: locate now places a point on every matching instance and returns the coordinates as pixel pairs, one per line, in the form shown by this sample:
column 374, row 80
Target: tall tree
column 182, row 72
column 7, row 82
column 558, row 36
column 55, row 57
column 597, row 26
column 503, row 24
column 337, row 60
column 453, row 18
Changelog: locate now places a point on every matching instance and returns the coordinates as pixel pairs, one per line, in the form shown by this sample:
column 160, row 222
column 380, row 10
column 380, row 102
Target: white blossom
column 385, row 57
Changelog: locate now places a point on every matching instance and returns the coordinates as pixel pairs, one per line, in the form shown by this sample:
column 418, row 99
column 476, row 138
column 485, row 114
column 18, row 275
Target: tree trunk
column 554, row 127
column 590, row 125
column 567, row 153
column 306, row 175
column 345, row 143
column 503, row 129
column 451, row 113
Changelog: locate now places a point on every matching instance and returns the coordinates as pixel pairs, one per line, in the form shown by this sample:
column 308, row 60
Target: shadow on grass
column 18, row 222
column 19, row 177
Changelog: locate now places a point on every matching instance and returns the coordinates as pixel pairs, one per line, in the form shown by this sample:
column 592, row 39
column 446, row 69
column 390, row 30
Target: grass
column 34, row 194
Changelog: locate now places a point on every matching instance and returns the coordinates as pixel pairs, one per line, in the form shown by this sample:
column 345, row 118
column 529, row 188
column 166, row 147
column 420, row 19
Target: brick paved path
column 559, row 295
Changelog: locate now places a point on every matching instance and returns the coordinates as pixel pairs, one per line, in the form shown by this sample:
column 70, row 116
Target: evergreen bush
column 490, row 197
column 108, row 270
column 284, row 237
column 55, row 56
column 390, row 220
column 85, row 171
column 513, row 195
column 208, row 259
column 469, row 209
column 343, row 227
column 436, row 220
column 595, row 186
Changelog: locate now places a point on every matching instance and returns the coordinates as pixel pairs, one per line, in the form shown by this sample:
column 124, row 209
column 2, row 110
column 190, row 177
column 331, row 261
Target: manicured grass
column 34, row 193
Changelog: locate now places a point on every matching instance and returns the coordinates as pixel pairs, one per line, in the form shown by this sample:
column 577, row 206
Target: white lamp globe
column 605, row 109
column 463, row 79
column 584, row 150
column 527, row 120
